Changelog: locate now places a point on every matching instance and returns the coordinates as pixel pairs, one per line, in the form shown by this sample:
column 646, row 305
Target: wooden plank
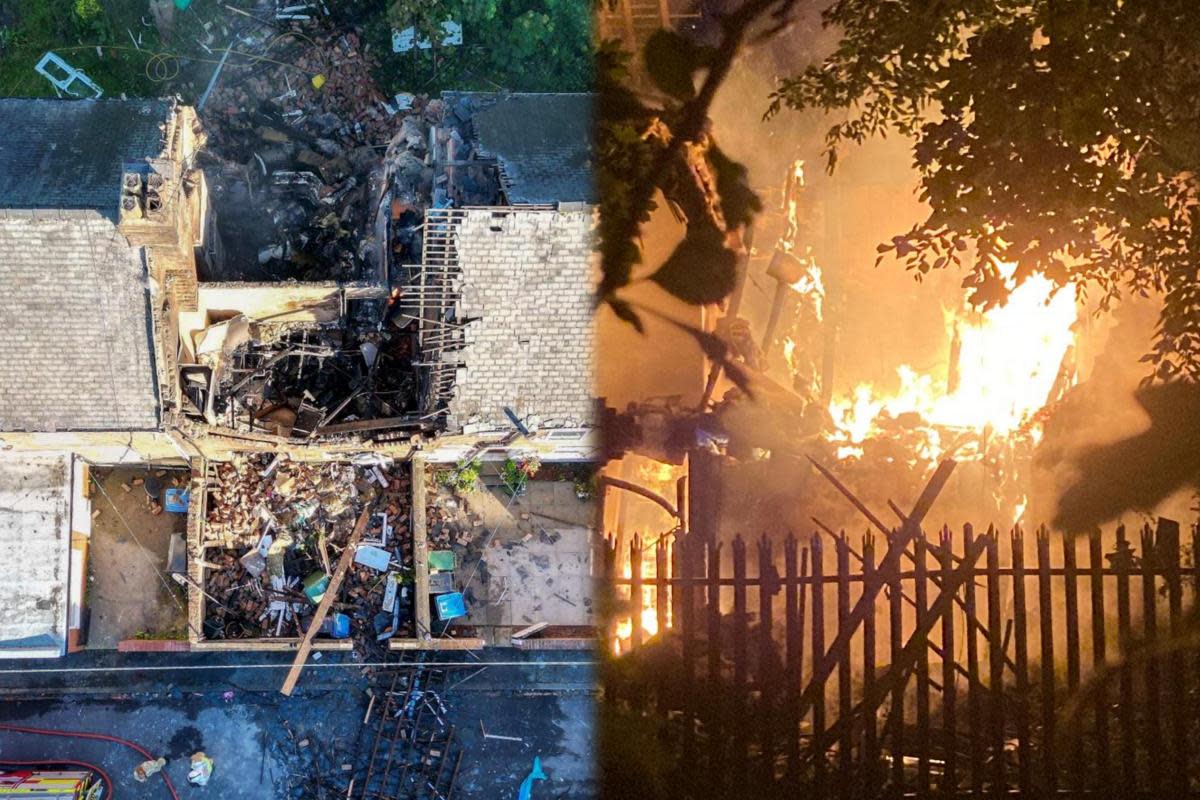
column 801, row 603
column 661, row 609
column 456, row 645
column 995, row 666
column 1049, row 773
column 862, row 508
column 791, row 590
column 975, row 689
column 845, row 696
column 1152, row 724
column 949, row 782
column 269, row 645
column 768, row 675
column 1021, row 655
column 420, row 534
column 1125, row 719
column 921, row 596
column 662, row 602
column 689, row 548
column 816, row 686
column 870, row 754
column 1193, row 674
column 717, row 705
column 1071, row 611
column 1167, row 546
column 677, row 571
column 897, row 673
column 335, row 583
column 1104, row 780
column 740, row 710
column 530, row 630
column 630, row 35
column 367, row 425
column 635, row 592
column 895, row 720
column 823, row 665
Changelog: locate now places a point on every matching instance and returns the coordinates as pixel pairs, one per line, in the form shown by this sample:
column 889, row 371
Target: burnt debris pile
column 292, row 158
column 273, row 533
column 308, row 382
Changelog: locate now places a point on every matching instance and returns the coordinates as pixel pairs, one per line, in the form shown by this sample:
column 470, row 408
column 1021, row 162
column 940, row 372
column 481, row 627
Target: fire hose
column 104, row 737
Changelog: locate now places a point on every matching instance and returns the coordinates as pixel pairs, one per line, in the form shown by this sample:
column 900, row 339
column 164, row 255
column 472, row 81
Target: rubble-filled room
column 308, row 163
column 291, row 160
column 304, row 381
column 270, row 532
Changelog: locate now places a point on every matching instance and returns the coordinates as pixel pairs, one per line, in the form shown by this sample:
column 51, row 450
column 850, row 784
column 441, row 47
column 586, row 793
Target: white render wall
column 35, row 554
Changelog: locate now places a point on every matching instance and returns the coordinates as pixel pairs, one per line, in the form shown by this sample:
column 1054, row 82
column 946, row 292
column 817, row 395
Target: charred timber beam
column 897, row 545
column 897, row 673
column 363, row 425
column 618, row 483
column 972, row 621
column 335, row 583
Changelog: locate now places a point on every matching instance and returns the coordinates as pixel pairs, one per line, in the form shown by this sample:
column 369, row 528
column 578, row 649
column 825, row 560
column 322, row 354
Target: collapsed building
column 303, row 318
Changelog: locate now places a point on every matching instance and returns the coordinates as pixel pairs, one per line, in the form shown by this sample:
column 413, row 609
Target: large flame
column 1008, row 361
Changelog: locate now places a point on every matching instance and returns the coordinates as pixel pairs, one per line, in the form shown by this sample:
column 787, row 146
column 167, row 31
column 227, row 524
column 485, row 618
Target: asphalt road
column 266, row 745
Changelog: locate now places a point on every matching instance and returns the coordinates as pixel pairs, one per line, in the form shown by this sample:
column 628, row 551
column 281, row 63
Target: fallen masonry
column 270, row 528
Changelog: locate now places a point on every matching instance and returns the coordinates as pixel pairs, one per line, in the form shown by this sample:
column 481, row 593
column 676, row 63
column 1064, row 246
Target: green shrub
column 516, row 474
column 463, row 478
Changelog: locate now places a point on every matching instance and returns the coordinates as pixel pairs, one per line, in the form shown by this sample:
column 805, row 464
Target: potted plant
column 517, row 472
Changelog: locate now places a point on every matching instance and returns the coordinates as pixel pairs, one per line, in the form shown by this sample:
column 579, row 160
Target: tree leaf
column 672, row 61
column 702, row 269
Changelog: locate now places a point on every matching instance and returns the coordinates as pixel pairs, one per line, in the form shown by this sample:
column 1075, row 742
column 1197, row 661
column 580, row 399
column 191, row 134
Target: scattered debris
column 270, row 527
column 147, row 768
column 486, row 735
column 406, row 40
column 63, row 76
column 201, row 771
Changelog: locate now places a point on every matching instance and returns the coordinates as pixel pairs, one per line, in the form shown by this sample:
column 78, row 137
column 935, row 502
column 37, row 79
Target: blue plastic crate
column 450, row 606
column 176, row 500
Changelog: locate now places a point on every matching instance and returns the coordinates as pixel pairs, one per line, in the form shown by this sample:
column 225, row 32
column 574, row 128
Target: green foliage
column 661, row 142
column 87, row 11
column 516, row 474
column 463, row 478
column 521, row 45
column 586, row 483
column 73, row 29
column 1058, row 136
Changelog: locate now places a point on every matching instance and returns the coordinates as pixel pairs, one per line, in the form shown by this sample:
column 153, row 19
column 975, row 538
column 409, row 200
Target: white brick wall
column 527, row 283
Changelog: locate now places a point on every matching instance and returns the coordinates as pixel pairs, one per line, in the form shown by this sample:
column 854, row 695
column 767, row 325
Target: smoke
column 1112, row 448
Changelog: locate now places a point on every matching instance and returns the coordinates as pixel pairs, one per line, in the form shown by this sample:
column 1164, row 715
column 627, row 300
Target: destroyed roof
column 75, row 317
column 68, row 153
column 35, row 547
column 526, row 291
column 543, row 143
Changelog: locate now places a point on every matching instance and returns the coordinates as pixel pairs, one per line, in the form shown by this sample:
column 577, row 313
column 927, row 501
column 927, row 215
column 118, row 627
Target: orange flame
column 1009, row 360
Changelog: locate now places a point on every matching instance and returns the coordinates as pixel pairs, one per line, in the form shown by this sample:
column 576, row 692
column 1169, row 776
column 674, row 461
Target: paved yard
column 521, row 560
column 127, row 561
